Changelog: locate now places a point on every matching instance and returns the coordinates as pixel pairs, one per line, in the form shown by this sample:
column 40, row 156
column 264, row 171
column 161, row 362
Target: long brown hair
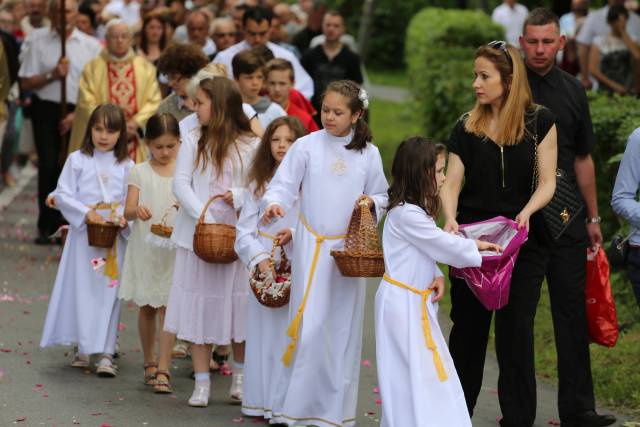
column 264, row 165
column 227, row 123
column 414, row 175
column 516, row 99
column 111, row 117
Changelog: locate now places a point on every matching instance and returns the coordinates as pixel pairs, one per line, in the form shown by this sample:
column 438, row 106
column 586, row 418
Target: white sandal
column 80, row 360
column 105, row 367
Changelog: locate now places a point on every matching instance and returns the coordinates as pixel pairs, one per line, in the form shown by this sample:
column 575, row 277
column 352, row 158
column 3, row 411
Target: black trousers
column 514, row 337
column 45, row 117
column 566, row 277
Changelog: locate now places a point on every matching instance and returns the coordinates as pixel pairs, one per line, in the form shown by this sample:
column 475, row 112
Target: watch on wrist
column 594, row 220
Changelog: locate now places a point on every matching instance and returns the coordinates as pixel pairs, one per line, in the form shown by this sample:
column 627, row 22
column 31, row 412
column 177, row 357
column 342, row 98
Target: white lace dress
column 148, row 269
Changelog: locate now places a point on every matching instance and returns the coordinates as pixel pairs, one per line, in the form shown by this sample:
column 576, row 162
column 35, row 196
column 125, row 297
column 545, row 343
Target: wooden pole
column 63, row 54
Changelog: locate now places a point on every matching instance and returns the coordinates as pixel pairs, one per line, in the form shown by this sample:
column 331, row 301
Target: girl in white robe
column 84, row 308
column 266, row 326
column 329, row 171
column 207, row 304
column 418, row 383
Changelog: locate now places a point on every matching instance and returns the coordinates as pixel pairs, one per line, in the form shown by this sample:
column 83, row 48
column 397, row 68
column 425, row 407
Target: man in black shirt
column 566, row 270
column 331, row 60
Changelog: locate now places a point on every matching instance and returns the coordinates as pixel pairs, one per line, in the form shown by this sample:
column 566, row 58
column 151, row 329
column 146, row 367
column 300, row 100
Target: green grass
column 616, row 371
column 397, row 78
column 390, row 123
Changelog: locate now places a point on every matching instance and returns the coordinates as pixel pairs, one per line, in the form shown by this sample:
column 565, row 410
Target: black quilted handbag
column 565, row 205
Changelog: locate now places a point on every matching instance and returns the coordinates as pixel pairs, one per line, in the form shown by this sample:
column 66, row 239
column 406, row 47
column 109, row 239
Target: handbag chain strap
column 534, row 180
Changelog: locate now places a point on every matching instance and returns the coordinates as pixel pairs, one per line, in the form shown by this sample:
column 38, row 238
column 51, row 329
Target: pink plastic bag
column 491, row 282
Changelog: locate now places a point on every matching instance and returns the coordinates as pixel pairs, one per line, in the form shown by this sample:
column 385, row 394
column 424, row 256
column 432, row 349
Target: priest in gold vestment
column 119, row 76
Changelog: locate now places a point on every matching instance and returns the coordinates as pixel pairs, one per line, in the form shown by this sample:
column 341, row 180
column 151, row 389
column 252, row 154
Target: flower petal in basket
column 273, row 291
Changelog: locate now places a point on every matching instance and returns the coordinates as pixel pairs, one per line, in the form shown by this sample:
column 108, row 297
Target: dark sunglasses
column 501, row 45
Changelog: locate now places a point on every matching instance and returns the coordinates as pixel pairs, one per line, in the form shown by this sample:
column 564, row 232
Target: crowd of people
column 602, row 46
column 253, row 116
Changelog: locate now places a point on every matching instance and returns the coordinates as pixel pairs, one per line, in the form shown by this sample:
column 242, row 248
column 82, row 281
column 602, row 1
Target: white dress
column 208, row 302
column 84, row 308
column 411, row 391
column 148, row 269
column 266, row 326
column 320, row 386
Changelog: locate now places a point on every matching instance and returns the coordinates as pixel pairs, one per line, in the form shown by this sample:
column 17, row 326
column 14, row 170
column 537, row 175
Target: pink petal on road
column 238, row 420
column 376, row 390
column 5, row 350
column 20, row 419
column 378, row 401
column 366, row 363
column 45, row 394
column 121, row 326
column 553, row 422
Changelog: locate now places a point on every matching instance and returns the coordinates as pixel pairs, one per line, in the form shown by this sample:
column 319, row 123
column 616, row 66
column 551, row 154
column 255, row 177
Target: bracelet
column 595, row 220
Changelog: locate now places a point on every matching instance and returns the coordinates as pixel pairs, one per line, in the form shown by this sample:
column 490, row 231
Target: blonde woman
column 492, row 155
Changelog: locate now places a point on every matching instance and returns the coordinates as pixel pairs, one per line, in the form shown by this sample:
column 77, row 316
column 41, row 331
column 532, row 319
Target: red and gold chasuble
column 122, row 92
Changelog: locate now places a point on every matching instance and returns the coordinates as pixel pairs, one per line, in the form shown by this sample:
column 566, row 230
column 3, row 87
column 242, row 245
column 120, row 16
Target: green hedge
column 439, row 53
column 614, row 118
column 390, row 19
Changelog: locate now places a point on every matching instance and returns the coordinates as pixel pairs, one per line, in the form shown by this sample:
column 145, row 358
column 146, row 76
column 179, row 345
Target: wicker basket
column 362, row 254
column 267, row 292
column 213, row 243
column 162, row 229
column 102, row 234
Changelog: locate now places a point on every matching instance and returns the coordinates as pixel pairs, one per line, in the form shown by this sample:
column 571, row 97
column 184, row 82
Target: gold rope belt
column 292, row 330
column 424, row 294
column 267, row 235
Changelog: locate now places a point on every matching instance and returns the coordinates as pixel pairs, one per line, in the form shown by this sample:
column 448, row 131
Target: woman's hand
column 523, row 219
column 122, row 222
column 438, row 288
column 93, row 216
column 272, row 212
column 488, row 246
column 50, row 202
column 364, row 198
column 228, row 198
column 451, row 226
column 143, row 213
column 284, row 236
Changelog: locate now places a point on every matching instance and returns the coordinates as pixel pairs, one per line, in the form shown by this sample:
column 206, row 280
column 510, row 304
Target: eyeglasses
column 501, row 45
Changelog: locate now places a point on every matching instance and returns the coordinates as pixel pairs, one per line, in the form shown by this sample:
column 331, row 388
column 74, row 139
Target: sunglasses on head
column 501, row 45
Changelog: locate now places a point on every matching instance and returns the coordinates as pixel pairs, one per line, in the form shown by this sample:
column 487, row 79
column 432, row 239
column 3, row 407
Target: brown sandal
column 162, row 386
column 150, row 379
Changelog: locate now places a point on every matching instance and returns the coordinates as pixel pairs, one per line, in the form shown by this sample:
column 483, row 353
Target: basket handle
column 163, row 220
column 283, row 255
column 206, row 206
column 113, row 206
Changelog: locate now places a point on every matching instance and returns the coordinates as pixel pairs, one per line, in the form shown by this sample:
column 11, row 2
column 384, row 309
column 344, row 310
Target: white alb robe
column 84, row 308
column 411, row 391
column 266, row 326
column 320, row 387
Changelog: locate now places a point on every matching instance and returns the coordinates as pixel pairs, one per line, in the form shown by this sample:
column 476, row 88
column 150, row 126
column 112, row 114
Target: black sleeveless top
column 497, row 180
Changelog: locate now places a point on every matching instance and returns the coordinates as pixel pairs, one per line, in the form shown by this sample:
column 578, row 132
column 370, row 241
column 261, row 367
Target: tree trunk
column 366, row 25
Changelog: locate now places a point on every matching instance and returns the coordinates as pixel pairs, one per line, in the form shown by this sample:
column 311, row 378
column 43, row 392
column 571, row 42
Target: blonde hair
column 208, row 72
column 516, row 99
